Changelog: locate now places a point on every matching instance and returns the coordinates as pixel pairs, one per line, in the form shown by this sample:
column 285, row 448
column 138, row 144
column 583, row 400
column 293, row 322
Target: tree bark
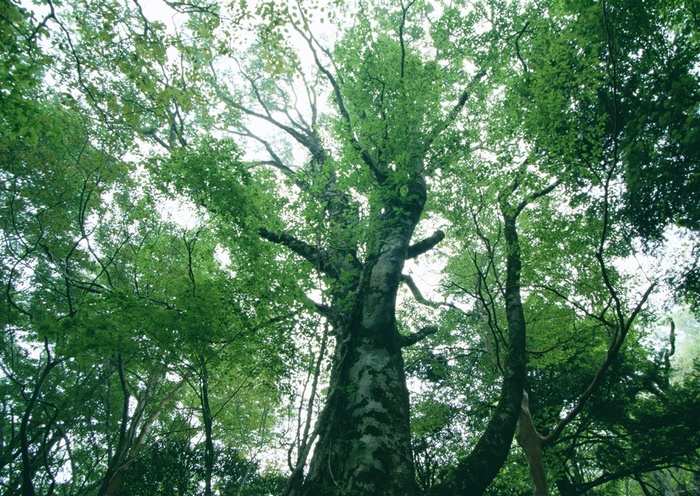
column 364, row 442
column 475, row 472
column 207, row 419
column 532, row 443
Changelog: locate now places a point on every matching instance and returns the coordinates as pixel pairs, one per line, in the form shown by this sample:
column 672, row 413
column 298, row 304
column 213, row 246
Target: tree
column 319, row 159
column 100, row 302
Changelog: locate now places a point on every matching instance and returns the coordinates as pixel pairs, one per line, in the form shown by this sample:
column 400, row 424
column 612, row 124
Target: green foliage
column 172, row 466
column 578, row 118
column 394, row 95
column 169, row 467
column 104, row 303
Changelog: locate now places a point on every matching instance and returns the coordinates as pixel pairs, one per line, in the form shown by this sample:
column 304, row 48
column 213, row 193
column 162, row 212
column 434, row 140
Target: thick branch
column 537, row 194
column 321, row 308
column 301, row 248
column 669, row 353
column 426, row 245
column 418, row 335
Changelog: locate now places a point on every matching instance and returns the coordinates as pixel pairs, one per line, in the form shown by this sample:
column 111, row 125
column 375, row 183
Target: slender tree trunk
column 134, row 429
column 116, row 468
column 28, row 465
column 208, row 432
column 475, row 472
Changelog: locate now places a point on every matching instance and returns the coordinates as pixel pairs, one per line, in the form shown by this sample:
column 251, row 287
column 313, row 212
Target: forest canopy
column 368, row 248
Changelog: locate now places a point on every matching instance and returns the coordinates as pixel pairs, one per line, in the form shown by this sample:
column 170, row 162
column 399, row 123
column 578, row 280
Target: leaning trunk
column 532, row 443
column 475, row 472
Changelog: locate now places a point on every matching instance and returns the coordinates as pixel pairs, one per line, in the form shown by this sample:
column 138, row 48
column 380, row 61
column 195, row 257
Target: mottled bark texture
column 364, row 443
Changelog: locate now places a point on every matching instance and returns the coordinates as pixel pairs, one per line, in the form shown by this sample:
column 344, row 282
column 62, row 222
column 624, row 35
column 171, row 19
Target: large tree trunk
column 364, row 443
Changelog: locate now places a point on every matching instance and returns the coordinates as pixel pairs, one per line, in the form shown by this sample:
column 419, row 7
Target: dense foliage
column 368, row 248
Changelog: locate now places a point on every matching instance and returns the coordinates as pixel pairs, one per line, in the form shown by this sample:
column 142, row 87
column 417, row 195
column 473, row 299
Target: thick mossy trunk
column 364, row 445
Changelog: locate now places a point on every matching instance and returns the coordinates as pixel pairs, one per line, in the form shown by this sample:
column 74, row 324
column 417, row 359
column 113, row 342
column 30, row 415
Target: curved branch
column 422, row 299
column 537, row 194
column 306, row 141
column 454, row 112
column 517, row 45
column 531, row 442
column 275, row 160
column 613, row 349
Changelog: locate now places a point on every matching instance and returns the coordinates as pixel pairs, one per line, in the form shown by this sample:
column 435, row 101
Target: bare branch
column 303, row 139
column 276, row 161
column 340, row 102
column 599, row 317
column 416, row 292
